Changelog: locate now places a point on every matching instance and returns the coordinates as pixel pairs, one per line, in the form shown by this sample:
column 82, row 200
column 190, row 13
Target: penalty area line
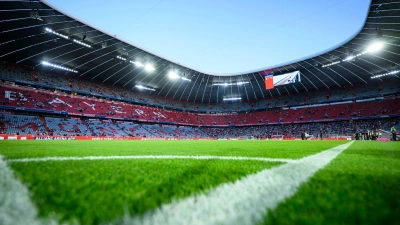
column 245, row 201
column 205, row 157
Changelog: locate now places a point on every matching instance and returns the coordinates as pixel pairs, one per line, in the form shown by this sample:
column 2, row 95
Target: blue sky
column 224, row 37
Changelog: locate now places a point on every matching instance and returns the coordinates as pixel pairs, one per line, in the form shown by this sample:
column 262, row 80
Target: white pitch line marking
column 205, row 157
column 243, row 202
column 16, row 207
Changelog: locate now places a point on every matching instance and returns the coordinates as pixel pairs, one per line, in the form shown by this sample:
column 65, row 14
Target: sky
column 225, row 37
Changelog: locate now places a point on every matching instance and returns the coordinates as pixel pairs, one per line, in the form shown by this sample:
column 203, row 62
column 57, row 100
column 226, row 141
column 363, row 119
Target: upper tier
column 18, row 98
column 48, row 38
column 76, row 84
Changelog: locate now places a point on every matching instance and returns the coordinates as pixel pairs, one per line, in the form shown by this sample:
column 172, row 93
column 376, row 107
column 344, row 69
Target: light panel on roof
column 149, row 68
column 138, row 64
column 375, row 47
column 56, row 33
column 231, row 84
column 331, row 64
column 173, row 75
column 386, row 74
column 232, row 99
column 82, row 43
column 141, row 87
column 121, row 58
column 58, row 67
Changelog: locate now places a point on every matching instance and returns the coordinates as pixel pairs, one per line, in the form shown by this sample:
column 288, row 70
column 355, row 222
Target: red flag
column 269, row 82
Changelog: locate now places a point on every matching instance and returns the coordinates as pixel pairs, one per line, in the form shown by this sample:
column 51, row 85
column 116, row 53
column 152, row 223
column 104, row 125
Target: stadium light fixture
column 220, row 84
column 141, row 87
column 45, row 63
column 372, row 48
column 331, row 64
column 56, row 33
column 187, row 79
column 173, row 75
column 232, row 99
column 230, row 84
column 386, row 74
column 375, row 46
column 121, row 58
column 349, row 58
column 81, row 43
column 138, row 64
column 149, row 68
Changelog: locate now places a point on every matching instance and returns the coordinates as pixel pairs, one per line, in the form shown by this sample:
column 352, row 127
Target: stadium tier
column 77, row 85
column 57, row 126
column 29, row 99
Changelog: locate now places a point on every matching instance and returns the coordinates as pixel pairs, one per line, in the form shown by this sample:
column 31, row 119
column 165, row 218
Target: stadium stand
column 32, row 125
column 116, row 111
column 19, row 124
column 67, row 127
column 76, row 105
column 75, row 84
column 105, row 128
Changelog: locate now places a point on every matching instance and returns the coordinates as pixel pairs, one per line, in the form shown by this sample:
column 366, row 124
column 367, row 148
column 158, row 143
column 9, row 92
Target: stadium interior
column 62, row 77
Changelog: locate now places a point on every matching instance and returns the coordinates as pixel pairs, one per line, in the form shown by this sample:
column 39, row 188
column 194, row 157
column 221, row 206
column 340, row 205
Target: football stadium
column 97, row 130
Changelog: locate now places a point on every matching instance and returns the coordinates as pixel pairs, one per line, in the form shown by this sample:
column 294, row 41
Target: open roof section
column 26, row 40
column 226, row 37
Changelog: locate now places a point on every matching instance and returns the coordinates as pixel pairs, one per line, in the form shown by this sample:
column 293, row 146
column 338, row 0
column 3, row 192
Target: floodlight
column 58, row 67
column 233, row 98
column 184, row 78
column 121, row 58
column 173, row 75
column 331, row 64
column 81, row 43
column 243, row 82
column 386, row 74
column 138, row 64
column 56, row 33
column 375, row 46
column 141, row 87
column 349, row 58
column 149, row 68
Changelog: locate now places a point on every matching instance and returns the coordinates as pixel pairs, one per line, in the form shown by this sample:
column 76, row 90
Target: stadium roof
column 35, row 34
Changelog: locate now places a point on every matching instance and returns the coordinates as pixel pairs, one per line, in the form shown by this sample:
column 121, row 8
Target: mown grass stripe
column 245, row 201
column 44, row 159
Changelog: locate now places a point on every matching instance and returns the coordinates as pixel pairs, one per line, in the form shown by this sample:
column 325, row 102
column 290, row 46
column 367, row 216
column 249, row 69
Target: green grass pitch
column 359, row 186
